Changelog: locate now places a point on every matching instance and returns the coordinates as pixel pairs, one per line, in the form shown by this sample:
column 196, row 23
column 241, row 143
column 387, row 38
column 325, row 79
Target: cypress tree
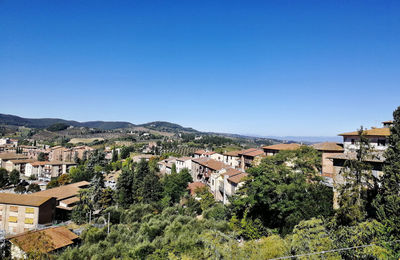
column 387, row 202
column 358, row 179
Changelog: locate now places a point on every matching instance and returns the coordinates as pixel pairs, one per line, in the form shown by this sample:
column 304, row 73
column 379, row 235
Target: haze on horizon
column 269, row 68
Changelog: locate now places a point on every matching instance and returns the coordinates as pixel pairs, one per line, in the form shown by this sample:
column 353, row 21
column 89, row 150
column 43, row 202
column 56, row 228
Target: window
column 29, row 210
column 353, row 141
column 381, row 142
column 13, row 219
column 14, row 208
column 28, row 220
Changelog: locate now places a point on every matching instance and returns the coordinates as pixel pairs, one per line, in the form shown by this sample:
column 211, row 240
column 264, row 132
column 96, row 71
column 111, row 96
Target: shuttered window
column 13, row 219
column 14, row 208
column 29, row 221
column 29, row 210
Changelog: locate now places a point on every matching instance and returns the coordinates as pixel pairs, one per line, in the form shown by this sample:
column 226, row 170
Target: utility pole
column 108, row 226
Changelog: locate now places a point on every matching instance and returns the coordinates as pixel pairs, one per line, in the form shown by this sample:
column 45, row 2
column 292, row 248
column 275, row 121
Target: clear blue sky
column 251, row 67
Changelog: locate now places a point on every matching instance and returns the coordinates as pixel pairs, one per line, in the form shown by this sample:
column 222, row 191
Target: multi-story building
column 250, row 157
column 18, row 164
column 203, row 167
column 47, row 170
column 182, row 163
column 328, row 149
column 19, row 213
column 4, row 157
column 232, row 159
column 377, row 138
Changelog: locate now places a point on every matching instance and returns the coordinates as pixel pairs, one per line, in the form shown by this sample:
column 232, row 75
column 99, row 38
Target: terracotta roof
column 388, row 122
column 185, row 158
column 231, row 172
column 254, row 153
column 232, row 153
column 210, row 163
column 192, row 187
column 11, row 156
column 209, row 153
column 237, row 178
column 23, row 199
column 17, row 161
column 371, row 132
column 246, row 151
column 57, row 237
column 353, row 156
column 38, row 163
column 63, row 192
column 328, row 146
column 282, row 147
column 199, row 152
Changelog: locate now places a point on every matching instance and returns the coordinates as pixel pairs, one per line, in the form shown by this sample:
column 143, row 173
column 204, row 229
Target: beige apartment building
column 20, row 213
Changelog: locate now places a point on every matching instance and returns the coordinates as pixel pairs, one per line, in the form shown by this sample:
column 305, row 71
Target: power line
column 327, row 251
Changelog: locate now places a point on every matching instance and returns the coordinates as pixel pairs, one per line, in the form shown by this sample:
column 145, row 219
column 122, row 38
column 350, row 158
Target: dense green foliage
column 282, row 191
column 353, row 193
column 57, row 127
column 3, row 177
column 175, row 185
column 387, row 202
column 14, row 177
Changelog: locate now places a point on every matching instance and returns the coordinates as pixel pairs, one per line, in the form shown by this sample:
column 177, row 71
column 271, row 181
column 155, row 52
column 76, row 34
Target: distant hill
column 167, row 127
column 46, row 122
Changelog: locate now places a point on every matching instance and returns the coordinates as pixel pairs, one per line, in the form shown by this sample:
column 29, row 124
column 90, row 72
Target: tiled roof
column 210, row 163
column 353, row 156
column 237, row 178
column 371, row 132
column 328, row 146
column 63, row 192
column 182, row 159
column 23, row 199
column 231, row 172
column 209, row 153
column 11, row 156
column 232, row 153
column 254, row 153
column 282, row 147
column 192, row 187
column 39, row 163
column 17, row 161
column 246, row 151
column 199, row 152
column 57, row 237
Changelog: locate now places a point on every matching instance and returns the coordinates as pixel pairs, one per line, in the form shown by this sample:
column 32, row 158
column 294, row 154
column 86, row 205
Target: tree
column 3, row 177
column 124, row 188
column 311, row 236
column 33, row 187
column 358, row 181
column 20, row 189
column 175, row 184
column 42, row 157
column 114, row 155
column 14, row 177
column 387, row 202
column 283, row 190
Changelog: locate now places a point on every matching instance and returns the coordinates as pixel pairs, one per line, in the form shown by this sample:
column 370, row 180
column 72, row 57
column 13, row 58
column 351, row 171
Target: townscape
column 206, row 196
